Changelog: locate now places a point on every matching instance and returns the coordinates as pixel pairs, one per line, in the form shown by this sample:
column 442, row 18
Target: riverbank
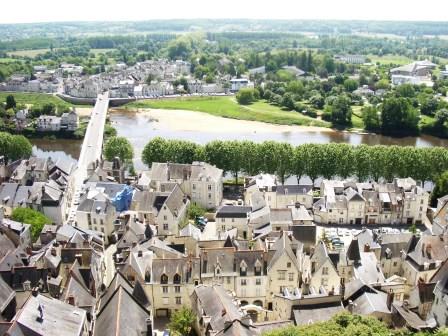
column 227, row 107
column 189, row 121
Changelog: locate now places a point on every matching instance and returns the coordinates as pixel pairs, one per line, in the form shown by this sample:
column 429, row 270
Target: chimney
column 140, row 253
column 35, row 291
column 390, row 299
column 428, row 251
column 342, row 288
column 134, row 244
column 350, row 306
column 366, row 248
column 71, row 300
column 53, row 252
column 149, row 327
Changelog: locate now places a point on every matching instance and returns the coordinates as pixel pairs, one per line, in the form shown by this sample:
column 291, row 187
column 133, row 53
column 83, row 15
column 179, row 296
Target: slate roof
column 368, row 270
column 217, row 304
column 305, row 316
column 8, row 193
column 122, row 315
column 294, row 189
column 57, row 316
column 412, row 319
column 429, row 249
column 83, row 298
column 232, row 211
column 441, row 278
column 7, row 294
column 370, row 303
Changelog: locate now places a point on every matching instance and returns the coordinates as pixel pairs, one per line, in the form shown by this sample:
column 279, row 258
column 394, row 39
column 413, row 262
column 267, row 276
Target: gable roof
column 122, row 315
column 283, row 246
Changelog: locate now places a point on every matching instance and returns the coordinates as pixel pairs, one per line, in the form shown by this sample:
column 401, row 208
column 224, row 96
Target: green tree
column 19, row 148
column 14, row 147
column 155, row 151
column 36, row 219
column 371, row 118
column 10, row 102
column 245, row 96
column 343, row 324
column 406, row 90
column 118, row 147
column 440, row 188
column 398, row 117
column 181, row 322
column 350, row 85
column 441, row 117
column 340, row 110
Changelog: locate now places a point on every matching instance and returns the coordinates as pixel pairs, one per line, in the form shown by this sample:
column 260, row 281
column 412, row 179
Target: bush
column 245, row 96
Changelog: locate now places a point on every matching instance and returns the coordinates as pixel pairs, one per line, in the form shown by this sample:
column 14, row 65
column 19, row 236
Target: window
column 223, row 220
column 194, row 186
column 176, row 289
column 209, row 196
column 421, row 201
column 233, row 220
column 102, row 230
column 324, row 282
column 395, row 263
column 291, row 276
column 324, row 270
column 176, row 279
column 288, row 265
column 94, row 221
column 243, row 271
column 257, row 270
column 165, row 218
column 165, row 226
column 101, row 221
column 209, row 187
column 178, row 300
column 164, row 279
column 258, row 282
column 282, row 275
column 165, row 289
column 243, row 282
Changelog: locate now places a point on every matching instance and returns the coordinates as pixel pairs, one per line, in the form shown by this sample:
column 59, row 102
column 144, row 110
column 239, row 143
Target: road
column 91, row 150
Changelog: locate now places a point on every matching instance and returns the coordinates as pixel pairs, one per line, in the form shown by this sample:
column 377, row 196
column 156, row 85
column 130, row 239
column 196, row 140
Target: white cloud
column 101, row 10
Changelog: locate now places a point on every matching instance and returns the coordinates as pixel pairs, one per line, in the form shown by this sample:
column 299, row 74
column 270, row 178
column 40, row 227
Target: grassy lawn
column 227, row 107
column 28, row 53
column 357, row 117
column 390, row 59
column 34, row 98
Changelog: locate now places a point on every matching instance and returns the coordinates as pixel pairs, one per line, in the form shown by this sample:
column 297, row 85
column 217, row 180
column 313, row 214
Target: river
column 140, row 127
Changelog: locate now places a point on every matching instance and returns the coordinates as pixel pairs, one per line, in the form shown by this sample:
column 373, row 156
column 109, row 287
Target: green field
column 390, row 59
column 28, row 53
column 227, row 107
column 34, row 99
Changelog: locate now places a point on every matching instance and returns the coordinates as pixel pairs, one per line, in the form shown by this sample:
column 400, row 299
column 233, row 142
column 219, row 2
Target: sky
column 19, row 11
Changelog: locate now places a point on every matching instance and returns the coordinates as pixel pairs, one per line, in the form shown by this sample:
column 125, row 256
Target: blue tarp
column 122, row 200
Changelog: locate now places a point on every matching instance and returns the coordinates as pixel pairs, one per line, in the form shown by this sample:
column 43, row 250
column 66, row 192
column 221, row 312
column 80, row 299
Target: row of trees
column 346, row 324
column 312, row 160
column 14, row 147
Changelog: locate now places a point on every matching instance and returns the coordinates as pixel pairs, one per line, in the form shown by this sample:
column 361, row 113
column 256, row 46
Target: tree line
column 312, row 160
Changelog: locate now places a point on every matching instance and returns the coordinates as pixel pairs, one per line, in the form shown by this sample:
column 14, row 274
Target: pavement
column 91, row 150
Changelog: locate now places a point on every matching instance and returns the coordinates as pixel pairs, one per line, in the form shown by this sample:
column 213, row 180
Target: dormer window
column 243, row 269
column 176, row 279
column 164, row 279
